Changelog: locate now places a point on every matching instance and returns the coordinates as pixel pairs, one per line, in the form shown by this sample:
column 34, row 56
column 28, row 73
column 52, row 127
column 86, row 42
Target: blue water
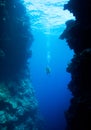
column 48, row 19
column 51, row 89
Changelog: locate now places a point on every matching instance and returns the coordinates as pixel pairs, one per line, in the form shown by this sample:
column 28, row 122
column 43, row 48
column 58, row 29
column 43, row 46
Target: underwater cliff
column 78, row 36
column 18, row 105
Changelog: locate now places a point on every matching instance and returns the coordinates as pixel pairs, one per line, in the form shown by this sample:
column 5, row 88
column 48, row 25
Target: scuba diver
column 48, row 70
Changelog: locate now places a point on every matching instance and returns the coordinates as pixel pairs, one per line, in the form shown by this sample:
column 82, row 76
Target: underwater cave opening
column 49, row 60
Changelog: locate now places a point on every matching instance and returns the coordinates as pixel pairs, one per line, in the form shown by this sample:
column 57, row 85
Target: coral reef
column 18, row 105
column 78, row 36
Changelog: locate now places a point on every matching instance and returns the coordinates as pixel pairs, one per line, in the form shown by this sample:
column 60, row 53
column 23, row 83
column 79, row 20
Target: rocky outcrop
column 15, row 39
column 18, row 105
column 78, row 36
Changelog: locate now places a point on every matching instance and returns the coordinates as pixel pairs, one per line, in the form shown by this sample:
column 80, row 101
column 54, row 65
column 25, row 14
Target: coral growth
column 18, row 105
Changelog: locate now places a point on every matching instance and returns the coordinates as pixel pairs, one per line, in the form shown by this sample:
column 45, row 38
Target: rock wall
column 78, row 36
column 18, row 105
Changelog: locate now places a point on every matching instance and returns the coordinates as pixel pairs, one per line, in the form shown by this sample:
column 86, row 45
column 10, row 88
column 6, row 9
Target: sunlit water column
column 45, row 15
column 48, row 51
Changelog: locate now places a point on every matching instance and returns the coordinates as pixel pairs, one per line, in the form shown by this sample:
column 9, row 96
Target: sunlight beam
column 46, row 14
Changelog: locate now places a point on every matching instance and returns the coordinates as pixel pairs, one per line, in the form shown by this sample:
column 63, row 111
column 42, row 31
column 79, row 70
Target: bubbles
column 48, row 55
